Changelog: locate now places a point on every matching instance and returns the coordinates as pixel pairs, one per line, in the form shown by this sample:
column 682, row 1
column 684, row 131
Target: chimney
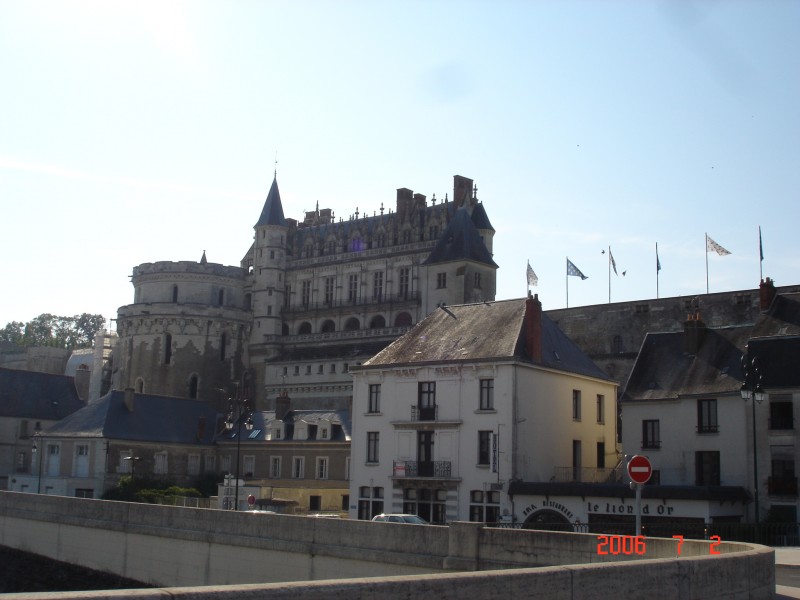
column 766, row 293
column 533, row 327
column 694, row 331
column 462, row 192
column 405, row 197
column 282, row 405
column 128, row 399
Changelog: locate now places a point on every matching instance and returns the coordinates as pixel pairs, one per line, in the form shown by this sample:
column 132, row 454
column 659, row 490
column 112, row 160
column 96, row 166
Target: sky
column 149, row 131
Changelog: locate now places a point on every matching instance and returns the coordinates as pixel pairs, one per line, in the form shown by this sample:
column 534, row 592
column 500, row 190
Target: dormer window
column 276, row 430
column 324, row 429
column 301, row 430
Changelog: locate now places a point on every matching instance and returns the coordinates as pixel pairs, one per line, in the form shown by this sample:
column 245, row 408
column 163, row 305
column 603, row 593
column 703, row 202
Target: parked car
column 400, row 518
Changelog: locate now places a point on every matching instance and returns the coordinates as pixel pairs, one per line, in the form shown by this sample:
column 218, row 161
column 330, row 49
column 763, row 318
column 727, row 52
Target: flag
column 712, row 245
column 760, row 246
column 613, row 262
column 573, row 270
column 658, row 264
column 532, row 278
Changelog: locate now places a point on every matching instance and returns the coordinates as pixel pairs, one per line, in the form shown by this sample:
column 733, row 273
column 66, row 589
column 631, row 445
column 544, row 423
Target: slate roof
column 460, row 241
column 479, row 217
column 153, row 419
column 482, row 332
column 363, row 348
column 263, row 419
column 33, row 395
column 272, row 213
column 664, row 370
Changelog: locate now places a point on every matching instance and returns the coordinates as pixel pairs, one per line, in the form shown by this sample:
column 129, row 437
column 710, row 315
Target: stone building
column 309, row 299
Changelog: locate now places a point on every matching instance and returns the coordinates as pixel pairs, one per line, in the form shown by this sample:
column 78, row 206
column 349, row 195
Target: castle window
column 297, row 370
column 330, row 283
column 328, row 326
column 352, row 288
column 441, row 280
column 407, row 236
column 139, row 387
column 377, row 285
column 306, row 293
column 403, row 287
column 477, row 280
column 332, row 247
column 269, row 310
column 221, row 297
column 174, row 293
column 433, row 232
column 272, row 254
column 305, row 328
column 167, row 349
column 223, row 343
column 193, row 386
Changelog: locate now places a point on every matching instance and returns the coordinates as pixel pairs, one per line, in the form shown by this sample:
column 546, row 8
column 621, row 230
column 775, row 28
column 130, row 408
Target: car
column 400, row 518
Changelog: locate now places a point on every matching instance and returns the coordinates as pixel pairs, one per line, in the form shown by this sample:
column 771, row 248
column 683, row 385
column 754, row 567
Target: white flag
column 532, row 278
column 712, row 246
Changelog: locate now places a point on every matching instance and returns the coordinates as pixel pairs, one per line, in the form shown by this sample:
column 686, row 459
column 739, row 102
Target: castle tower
column 268, row 291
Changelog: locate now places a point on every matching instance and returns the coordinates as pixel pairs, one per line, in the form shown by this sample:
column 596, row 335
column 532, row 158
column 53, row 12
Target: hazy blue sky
column 144, row 131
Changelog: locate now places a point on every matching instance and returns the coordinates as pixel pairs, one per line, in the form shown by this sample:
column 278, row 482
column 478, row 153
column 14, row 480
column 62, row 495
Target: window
column 287, row 296
column 167, row 349
column 370, row 502
column 330, row 283
column 223, row 343
column 601, row 455
column 576, row 405
column 322, row 467
column 275, row 467
column 298, row 467
column 782, row 482
column 403, row 287
column 225, row 464
column 174, row 293
column 651, row 434
column 377, row 285
column 781, row 413
column 314, row 502
column 601, row 408
column 426, row 401
column 487, row 394
column 374, row 398
column 707, row 416
column 84, row 493
column 706, row 468
column 484, row 447
column 576, row 460
column 53, row 460
column 160, row 466
column 352, row 288
column 484, row 507
column 221, row 298
column 249, row 465
column 433, row 232
column 306, row 293
column 477, row 281
column 372, row 446
column 193, row 465
column 211, row 463
column 441, row 280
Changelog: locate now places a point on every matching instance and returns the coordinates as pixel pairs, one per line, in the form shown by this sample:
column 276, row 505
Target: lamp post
column 239, row 412
column 752, row 390
column 40, row 451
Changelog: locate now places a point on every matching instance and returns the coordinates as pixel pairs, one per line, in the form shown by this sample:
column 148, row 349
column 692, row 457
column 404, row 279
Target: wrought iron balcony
column 430, row 413
column 435, row 469
column 782, row 486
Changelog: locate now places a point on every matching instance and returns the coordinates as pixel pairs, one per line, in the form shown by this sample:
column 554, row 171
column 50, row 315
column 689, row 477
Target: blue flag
column 573, row 270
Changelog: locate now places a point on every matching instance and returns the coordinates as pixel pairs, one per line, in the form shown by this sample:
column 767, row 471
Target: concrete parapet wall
column 176, row 546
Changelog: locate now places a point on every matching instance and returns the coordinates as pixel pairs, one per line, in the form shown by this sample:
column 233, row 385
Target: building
column 472, row 399
column 309, row 300
column 683, row 407
column 29, row 402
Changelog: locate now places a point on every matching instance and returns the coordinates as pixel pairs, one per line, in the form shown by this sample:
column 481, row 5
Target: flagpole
column 657, row 270
column 706, row 263
column 760, row 256
column 609, row 274
column 566, row 271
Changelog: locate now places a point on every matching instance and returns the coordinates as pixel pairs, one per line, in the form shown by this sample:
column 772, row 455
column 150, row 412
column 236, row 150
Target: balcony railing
column 651, row 444
column 411, row 298
column 708, row 429
column 430, row 413
column 782, row 486
column 589, row 474
column 436, row 469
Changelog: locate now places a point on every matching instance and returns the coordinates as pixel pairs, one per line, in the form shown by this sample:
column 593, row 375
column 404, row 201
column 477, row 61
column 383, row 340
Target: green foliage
column 147, row 490
column 51, row 330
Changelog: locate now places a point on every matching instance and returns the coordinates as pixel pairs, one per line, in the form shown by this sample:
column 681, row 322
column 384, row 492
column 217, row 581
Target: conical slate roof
column 480, row 218
column 460, row 241
column 272, row 213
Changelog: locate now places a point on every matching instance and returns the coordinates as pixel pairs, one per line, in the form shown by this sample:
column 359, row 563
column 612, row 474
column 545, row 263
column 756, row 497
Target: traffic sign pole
column 639, row 470
column 638, row 508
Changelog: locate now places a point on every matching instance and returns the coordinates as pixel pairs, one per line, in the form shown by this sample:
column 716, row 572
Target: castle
column 309, row 299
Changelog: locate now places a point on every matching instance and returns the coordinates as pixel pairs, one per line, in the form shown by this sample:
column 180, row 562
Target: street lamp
column 239, row 411
column 752, row 390
column 34, row 450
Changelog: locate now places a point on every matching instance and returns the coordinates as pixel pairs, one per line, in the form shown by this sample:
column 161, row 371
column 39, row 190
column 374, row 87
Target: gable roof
column 460, row 241
column 272, row 213
column 262, row 420
column 482, row 332
column 34, row 395
column 153, row 419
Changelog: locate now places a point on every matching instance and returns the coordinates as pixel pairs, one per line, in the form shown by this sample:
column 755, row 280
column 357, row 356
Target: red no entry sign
column 640, row 469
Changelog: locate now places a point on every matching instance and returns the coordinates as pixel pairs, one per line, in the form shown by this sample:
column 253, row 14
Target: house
column 29, row 402
column 723, row 458
column 473, row 399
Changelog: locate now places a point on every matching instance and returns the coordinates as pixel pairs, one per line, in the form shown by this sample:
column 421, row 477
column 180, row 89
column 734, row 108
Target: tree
column 51, row 330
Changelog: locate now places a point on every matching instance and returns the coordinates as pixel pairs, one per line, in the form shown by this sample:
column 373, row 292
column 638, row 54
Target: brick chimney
column 462, row 192
column 282, row 405
column 766, row 293
column 405, row 198
column 533, row 327
column 694, row 332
